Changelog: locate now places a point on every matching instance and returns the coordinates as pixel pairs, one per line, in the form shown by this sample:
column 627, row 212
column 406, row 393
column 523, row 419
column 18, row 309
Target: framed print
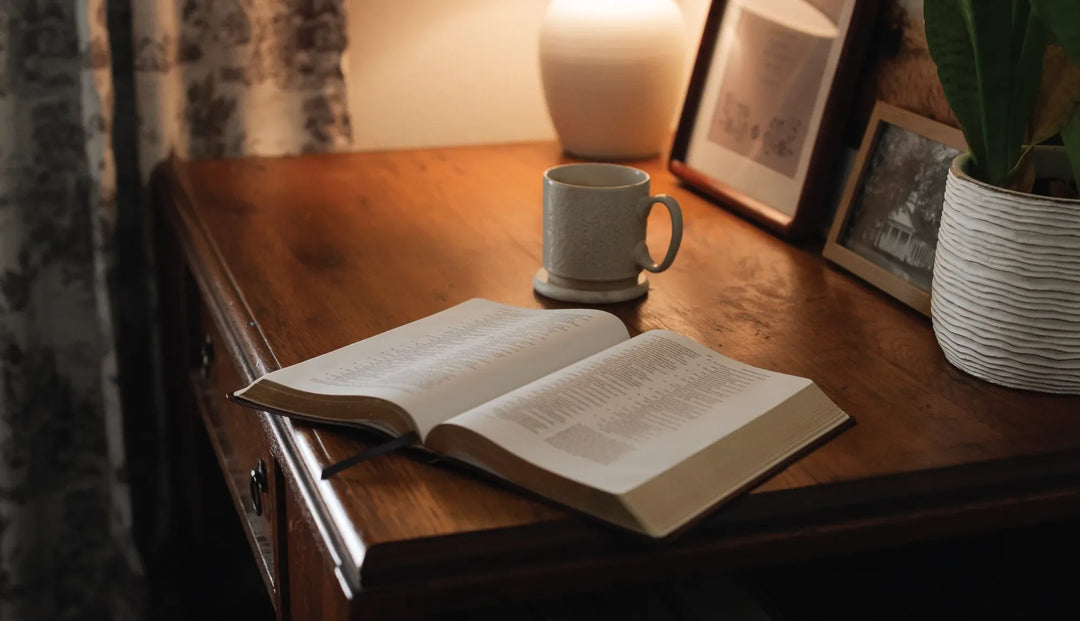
column 885, row 230
column 759, row 125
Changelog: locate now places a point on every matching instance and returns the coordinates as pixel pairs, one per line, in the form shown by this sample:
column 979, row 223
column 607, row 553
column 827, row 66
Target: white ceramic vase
column 612, row 71
column 1005, row 297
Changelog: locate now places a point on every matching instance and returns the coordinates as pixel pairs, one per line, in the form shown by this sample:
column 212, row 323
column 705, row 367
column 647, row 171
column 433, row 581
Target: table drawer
column 242, row 448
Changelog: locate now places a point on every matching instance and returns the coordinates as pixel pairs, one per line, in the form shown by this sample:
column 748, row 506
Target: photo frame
column 885, row 229
column 760, row 124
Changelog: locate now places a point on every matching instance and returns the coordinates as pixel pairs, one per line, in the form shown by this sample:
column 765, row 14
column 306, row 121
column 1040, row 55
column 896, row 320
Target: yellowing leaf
column 1070, row 135
column 1022, row 177
column 1059, row 92
column 1062, row 17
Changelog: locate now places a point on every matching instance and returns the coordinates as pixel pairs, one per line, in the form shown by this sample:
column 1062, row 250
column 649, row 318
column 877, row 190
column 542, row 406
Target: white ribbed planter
column 612, row 72
column 1005, row 296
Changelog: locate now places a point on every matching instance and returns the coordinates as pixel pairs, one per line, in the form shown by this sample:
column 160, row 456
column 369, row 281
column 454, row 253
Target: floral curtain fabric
column 205, row 78
column 221, row 78
column 65, row 521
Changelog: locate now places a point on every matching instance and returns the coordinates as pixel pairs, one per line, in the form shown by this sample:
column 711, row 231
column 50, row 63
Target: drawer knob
column 206, row 356
column 257, row 487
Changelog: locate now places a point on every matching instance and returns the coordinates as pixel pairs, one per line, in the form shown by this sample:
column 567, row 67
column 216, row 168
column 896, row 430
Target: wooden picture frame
column 759, row 129
column 885, row 230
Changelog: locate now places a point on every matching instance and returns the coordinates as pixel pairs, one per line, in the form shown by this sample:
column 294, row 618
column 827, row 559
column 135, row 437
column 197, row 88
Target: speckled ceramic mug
column 594, row 225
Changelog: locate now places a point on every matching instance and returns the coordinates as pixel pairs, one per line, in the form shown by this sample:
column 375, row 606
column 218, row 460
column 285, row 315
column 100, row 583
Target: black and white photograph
column 898, row 208
column 886, row 227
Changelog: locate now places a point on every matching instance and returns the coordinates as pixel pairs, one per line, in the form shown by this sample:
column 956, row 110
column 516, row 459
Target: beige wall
column 439, row 72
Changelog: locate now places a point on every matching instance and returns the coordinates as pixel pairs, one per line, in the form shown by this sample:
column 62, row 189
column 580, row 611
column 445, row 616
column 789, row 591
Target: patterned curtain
column 92, row 96
column 222, row 78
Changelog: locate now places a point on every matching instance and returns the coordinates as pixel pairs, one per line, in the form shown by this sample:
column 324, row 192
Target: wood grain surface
column 319, row 251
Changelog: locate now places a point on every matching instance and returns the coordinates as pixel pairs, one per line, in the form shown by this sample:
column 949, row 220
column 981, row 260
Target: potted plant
column 1006, row 289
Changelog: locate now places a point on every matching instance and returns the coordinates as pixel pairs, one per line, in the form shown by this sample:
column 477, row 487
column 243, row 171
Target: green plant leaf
column 950, row 47
column 1007, row 76
column 1070, row 136
column 1059, row 92
column 1062, row 17
column 989, row 56
column 1027, row 73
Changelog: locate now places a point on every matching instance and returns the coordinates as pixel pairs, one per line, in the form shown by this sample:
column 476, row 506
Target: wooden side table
column 266, row 262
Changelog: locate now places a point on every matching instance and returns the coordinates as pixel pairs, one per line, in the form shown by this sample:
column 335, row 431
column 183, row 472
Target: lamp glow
column 611, row 71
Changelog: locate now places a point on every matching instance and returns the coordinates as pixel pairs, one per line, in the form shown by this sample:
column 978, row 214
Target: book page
column 621, row 417
column 451, row 361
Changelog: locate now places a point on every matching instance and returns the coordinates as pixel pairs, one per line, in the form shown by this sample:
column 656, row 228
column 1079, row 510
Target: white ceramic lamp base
column 612, row 70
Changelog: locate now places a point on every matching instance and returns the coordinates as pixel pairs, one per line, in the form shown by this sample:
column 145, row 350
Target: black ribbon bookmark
column 386, row 447
column 382, row 449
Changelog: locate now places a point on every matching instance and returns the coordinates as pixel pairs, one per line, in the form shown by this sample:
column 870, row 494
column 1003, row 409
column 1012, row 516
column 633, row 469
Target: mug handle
column 641, row 251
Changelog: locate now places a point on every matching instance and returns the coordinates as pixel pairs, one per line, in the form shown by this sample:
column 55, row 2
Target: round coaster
column 543, row 285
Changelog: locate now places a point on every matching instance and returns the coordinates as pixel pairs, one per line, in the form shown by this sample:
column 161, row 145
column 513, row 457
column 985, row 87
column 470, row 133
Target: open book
column 647, row 433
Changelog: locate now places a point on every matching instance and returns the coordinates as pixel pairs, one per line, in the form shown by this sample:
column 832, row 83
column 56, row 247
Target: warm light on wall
column 429, row 72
